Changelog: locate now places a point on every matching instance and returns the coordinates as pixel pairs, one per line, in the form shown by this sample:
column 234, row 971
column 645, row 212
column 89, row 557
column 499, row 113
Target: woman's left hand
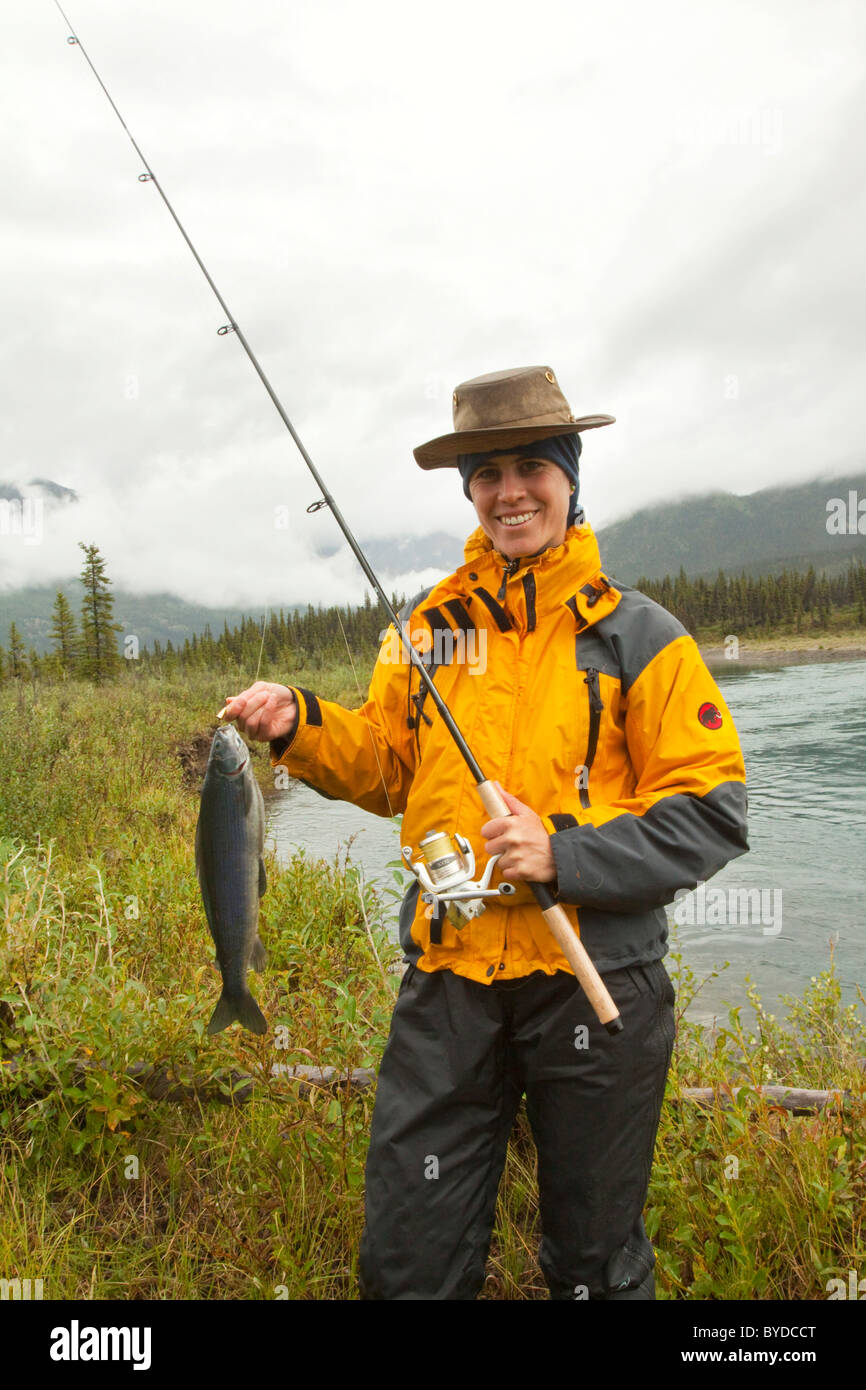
column 522, row 842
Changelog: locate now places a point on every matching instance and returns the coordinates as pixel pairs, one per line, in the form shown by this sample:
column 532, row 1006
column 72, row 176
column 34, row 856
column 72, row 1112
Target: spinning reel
column 446, row 874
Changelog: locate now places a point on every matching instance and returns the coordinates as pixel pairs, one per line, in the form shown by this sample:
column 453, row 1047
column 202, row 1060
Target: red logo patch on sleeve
column 710, row 716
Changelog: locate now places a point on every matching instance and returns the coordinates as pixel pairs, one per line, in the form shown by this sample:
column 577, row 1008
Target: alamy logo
column 19, row 1289
column 22, row 516
column 712, row 126
column 76, row 1343
column 846, row 518
column 728, row 907
column 855, row 1288
column 444, row 647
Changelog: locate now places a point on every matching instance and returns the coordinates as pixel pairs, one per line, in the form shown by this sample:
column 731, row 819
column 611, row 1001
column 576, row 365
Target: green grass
column 105, row 956
column 113, row 1194
column 755, row 1202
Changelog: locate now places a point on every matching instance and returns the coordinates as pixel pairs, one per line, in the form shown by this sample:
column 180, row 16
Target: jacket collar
column 528, row 590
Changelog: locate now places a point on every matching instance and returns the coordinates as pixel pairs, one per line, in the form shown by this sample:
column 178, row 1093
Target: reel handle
column 567, row 939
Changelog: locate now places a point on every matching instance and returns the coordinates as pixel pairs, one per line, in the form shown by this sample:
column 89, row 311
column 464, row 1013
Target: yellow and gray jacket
column 583, row 698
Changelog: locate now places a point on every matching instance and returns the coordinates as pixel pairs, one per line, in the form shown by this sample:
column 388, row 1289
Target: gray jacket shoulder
column 625, row 642
column 405, row 613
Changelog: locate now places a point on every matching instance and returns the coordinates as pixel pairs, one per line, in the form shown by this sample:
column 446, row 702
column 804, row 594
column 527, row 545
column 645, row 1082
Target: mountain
column 393, row 557
column 762, row 533
column 55, row 490
column 151, row 617
column 11, row 492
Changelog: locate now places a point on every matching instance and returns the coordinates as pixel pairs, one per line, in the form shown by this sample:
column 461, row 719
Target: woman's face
column 522, row 504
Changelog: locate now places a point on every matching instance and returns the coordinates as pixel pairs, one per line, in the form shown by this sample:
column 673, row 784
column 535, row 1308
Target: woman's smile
column 522, row 504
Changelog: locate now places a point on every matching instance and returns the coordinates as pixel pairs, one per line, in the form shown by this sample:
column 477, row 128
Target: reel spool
column 446, row 874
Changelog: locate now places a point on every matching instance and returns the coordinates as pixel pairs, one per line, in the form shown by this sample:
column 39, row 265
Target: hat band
column 559, row 417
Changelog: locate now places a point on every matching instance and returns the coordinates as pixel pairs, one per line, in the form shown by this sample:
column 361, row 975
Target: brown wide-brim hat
column 502, row 409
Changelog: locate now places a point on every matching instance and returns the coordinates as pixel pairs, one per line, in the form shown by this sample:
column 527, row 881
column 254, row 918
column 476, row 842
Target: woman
column 625, row 783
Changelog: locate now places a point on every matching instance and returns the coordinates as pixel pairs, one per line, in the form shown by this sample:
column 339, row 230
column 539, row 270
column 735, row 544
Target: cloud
column 660, row 203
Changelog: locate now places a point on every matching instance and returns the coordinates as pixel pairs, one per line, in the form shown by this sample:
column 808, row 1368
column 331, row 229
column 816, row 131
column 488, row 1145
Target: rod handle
column 566, row 937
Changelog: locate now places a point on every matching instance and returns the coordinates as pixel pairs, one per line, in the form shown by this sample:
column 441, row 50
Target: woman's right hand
column 264, row 711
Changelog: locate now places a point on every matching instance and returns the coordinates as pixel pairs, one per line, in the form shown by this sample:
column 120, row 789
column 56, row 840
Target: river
column 772, row 916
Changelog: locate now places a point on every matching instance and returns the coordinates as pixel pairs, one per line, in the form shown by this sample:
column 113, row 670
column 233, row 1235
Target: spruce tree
column 64, row 634
column 16, row 658
column 99, row 657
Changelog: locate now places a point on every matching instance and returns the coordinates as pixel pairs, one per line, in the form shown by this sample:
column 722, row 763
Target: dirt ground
column 795, row 650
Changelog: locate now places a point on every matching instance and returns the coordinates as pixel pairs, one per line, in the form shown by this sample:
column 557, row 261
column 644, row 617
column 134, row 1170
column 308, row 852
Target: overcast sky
column 665, row 203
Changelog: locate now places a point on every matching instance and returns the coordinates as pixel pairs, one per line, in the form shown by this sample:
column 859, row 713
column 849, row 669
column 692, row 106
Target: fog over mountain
column 822, row 523
column 663, row 203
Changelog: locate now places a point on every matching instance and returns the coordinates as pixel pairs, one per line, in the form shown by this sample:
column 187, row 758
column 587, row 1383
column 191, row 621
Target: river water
column 774, row 915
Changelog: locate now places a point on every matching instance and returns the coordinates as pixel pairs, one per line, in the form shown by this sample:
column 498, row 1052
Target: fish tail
column 238, row 1008
column 259, row 956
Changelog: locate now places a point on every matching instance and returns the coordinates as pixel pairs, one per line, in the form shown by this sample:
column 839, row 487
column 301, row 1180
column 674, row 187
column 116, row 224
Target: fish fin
column 259, row 956
column 244, row 1010
column 263, row 879
column 252, row 790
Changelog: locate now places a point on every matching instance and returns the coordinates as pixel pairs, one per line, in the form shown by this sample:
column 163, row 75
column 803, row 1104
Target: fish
column 229, row 845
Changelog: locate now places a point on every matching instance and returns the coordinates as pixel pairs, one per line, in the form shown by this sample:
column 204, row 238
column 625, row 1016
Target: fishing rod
column 443, row 868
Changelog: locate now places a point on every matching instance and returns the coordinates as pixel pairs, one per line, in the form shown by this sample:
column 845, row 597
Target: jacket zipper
column 596, row 705
column 515, row 706
column 529, row 594
column 510, row 569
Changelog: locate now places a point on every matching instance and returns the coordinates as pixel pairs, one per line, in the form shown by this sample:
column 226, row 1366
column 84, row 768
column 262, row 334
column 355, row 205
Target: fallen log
column 160, row 1082
column 326, row 1078
column 798, row 1101
column 165, row 1083
column 236, row 1087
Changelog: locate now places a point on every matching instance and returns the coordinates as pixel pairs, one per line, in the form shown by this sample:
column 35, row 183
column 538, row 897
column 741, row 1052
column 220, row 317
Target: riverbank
column 785, row 649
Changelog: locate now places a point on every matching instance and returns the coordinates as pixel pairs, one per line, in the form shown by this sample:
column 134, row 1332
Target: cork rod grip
column 566, row 937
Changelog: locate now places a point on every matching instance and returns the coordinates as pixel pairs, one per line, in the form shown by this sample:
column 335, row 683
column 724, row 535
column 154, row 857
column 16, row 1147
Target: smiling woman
column 522, row 504
column 587, row 706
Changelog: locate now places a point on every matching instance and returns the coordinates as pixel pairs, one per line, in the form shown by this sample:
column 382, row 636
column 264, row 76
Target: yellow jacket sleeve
column 367, row 755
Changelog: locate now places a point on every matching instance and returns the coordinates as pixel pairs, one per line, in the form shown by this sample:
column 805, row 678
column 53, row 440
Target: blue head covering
column 561, row 449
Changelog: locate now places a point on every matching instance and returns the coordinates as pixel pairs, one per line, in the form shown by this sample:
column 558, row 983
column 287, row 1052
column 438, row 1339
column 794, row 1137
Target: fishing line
column 262, row 643
column 326, row 500
column 491, row 798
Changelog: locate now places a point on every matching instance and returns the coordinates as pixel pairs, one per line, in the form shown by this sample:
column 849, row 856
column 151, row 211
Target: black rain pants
column 459, row 1057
